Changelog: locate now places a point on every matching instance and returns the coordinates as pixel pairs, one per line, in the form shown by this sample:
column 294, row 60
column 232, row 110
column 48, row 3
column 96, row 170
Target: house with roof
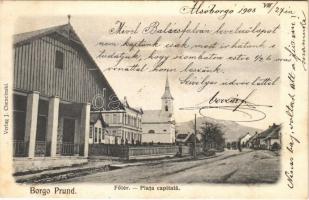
column 97, row 129
column 250, row 141
column 54, row 82
column 124, row 124
column 263, row 140
column 159, row 125
column 187, row 138
column 273, row 139
column 243, row 140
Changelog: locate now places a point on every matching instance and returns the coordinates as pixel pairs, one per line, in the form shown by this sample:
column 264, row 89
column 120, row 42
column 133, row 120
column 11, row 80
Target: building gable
column 78, row 80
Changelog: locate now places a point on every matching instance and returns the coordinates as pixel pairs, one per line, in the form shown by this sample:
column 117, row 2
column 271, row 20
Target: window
column 59, row 60
column 166, row 108
column 90, row 132
column 100, row 135
column 115, row 118
column 164, row 130
column 151, row 131
column 107, row 118
column 95, row 135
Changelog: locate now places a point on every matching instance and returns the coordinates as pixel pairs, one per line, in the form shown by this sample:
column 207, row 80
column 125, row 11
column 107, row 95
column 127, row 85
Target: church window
column 166, row 108
column 151, row 131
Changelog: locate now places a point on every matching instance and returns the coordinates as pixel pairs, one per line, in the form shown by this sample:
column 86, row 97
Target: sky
column 145, row 89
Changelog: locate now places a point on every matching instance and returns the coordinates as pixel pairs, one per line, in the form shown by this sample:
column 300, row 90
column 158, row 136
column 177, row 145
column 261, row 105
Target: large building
column 159, row 125
column 55, row 81
column 124, row 126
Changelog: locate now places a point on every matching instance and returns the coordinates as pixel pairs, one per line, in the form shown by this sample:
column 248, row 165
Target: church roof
column 167, row 93
column 155, row 116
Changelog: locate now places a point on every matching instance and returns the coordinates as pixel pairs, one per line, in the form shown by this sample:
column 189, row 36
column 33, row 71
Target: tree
column 212, row 136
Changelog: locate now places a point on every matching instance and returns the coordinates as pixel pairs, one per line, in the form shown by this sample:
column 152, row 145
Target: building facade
column 55, row 81
column 159, row 125
column 267, row 138
column 244, row 139
column 97, row 129
column 124, row 125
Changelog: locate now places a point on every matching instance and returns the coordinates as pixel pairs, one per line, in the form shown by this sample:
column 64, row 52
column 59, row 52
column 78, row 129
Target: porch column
column 52, row 125
column 85, row 122
column 31, row 121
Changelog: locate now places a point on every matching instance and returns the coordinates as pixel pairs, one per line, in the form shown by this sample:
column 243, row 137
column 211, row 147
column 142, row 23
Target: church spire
column 167, row 93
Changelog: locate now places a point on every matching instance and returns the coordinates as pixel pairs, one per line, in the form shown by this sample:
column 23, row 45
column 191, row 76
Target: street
column 230, row 167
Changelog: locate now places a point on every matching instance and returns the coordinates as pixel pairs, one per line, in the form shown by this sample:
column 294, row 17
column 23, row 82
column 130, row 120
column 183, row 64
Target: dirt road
column 230, row 167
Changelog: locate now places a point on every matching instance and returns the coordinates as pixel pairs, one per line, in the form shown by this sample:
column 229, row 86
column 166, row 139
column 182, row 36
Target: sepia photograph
column 199, row 95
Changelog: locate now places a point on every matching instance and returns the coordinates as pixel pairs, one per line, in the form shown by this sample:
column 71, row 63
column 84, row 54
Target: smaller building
column 187, row 138
column 243, row 140
column 267, row 138
column 97, row 129
column 250, row 142
column 124, row 126
column 273, row 139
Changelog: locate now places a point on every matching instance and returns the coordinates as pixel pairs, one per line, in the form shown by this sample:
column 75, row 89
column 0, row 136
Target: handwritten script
column 235, row 50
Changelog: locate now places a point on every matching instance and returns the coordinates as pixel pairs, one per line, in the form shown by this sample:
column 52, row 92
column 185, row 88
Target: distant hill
column 232, row 130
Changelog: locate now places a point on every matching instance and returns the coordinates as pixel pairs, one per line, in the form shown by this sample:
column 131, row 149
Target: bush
column 210, row 152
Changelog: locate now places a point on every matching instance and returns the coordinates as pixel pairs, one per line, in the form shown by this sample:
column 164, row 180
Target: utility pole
column 194, row 138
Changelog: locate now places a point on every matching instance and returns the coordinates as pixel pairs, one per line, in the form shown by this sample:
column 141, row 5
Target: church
column 159, row 125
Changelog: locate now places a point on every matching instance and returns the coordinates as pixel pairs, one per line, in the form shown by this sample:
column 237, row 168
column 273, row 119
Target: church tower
column 167, row 99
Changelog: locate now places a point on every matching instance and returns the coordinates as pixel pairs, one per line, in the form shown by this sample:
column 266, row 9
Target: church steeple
column 167, row 99
column 167, row 93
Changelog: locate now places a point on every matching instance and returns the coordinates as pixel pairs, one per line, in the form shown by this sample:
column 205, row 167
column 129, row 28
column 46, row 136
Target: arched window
column 151, row 131
column 166, row 108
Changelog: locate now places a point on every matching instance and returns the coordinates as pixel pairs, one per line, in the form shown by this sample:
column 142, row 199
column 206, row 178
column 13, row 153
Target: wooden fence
column 112, row 150
column 151, row 151
column 127, row 152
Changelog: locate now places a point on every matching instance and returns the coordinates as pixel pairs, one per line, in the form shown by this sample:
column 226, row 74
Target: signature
column 234, row 105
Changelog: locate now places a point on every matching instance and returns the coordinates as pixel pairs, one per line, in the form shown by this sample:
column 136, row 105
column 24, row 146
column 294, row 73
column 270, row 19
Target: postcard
column 154, row 99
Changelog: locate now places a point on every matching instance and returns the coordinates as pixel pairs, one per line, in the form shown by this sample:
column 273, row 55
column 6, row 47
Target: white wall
column 155, row 138
column 272, row 141
column 97, row 125
column 245, row 139
column 160, row 135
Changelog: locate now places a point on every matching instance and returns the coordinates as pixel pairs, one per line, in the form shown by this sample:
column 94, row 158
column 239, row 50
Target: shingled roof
column 274, row 134
column 265, row 133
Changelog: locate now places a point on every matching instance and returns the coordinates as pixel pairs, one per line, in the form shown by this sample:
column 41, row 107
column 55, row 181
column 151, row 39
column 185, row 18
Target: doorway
column 68, row 147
